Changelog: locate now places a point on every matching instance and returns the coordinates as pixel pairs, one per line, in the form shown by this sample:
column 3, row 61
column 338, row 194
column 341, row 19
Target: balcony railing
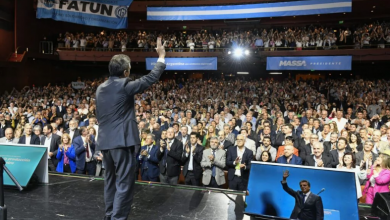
column 219, row 50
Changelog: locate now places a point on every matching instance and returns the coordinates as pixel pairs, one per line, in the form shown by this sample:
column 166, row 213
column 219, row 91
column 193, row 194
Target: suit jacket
column 115, row 109
column 227, row 144
column 360, row 156
column 304, row 152
column 180, row 138
column 312, row 209
column 280, row 138
column 294, row 160
column 309, row 161
column 327, row 148
column 196, row 160
column 76, row 133
column 78, row 144
column 4, row 139
column 246, row 159
column 2, row 129
column 219, row 163
column 62, row 112
column 170, row 161
column 54, row 144
column 34, row 140
column 335, row 157
column 149, row 164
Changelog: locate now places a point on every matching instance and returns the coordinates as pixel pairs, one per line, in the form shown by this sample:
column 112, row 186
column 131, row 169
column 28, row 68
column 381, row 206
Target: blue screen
column 267, row 197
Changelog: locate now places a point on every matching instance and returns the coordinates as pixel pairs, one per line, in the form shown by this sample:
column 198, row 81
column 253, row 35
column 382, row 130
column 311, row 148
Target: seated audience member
column 170, row 156
column 100, row 170
column 365, row 159
column 238, row 161
column 85, row 148
column 289, row 141
column 379, row 146
column 148, row 160
column 213, row 162
column 332, row 144
column 29, row 138
column 355, row 143
column 192, row 169
column 266, row 146
column 289, row 157
column 348, row 162
column 9, row 137
column 318, row 159
column 379, row 177
column 223, row 142
column 265, row 156
column 66, row 156
column 338, row 154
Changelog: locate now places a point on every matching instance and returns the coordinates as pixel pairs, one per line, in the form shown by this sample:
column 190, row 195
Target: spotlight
column 230, row 52
column 246, row 52
column 238, row 52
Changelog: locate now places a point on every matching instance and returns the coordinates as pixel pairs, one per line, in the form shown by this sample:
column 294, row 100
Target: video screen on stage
column 266, row 195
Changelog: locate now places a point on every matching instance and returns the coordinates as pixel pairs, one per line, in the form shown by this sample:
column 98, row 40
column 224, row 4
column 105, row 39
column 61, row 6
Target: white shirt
column 83, row 42
column 192, row 46
column 340, row 123
column 87, row 159
column 191, row 165
column 28, row 139
column 47, row 144
column 71, row 134
column 239, row 154
column 315, row 160
column 306, row 196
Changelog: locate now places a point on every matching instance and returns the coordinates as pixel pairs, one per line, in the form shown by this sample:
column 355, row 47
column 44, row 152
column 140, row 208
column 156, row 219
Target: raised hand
column 160, row 48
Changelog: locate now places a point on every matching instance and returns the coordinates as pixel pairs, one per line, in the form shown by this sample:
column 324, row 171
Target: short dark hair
column 267, row 138
column 304, row 181
column 343, row 139
column 49, row 127
column 119, row 64
column 194, row 133
column 248, row 122
column 290, row 138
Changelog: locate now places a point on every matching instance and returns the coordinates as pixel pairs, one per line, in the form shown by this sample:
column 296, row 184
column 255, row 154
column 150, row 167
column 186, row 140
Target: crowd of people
column 201, row 129
column 373, row 35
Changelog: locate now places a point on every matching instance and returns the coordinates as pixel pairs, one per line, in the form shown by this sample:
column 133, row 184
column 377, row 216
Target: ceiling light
column 230, row 52
column 275, row 73
column 242, row 73
column 238, row 52
column 246, row 52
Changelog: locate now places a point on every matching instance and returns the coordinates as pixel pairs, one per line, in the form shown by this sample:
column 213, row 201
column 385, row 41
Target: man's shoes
column 107, row 217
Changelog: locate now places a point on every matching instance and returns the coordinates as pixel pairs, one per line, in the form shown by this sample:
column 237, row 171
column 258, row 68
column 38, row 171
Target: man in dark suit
column 337, row 154
column 289, row 157
column 52, row 142
column 60, row 109
column 149, row 161
column 192, row 170
column 239, row 156
column 170, row 156
column 224, row 144
column 73, row 131
column 331, row 145
column 84, row 146
column 29, row 137
column 118, row 133
column 183, row 135
column 318, row 159
column 308, row 206
column 3, row 125
column 286, row 131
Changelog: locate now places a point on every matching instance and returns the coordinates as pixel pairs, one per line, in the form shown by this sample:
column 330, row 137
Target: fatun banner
column 278, row 9
column 310, row 63
column 204, row 63
column 102, row 13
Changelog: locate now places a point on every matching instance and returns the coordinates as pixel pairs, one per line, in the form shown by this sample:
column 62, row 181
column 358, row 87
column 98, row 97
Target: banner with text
column 310, row 63
column 78, row 85
column 203, row 63
column 278, row 9
column 22, row 161
column 102, row 13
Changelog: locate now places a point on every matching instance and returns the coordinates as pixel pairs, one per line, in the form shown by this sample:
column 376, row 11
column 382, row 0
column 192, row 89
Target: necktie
column 87, row 149
column 213, row 168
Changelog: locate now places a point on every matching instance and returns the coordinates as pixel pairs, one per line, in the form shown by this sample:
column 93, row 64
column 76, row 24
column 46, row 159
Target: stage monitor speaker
column 381, row 206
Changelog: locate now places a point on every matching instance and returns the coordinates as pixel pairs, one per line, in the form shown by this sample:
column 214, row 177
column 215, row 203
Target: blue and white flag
column 250, row 10
column 102, row 13
column 310, row 63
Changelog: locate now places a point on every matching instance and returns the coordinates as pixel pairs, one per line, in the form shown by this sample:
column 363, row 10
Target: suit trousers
column 238, row 183
column 89, row 169
column 191, row 179
column 168, row 179
column 119, row 181
column 213, row 183
column 146, row 177
column 51, row 166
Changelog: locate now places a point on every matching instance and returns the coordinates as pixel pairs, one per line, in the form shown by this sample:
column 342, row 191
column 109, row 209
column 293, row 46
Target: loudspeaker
column 381, row 206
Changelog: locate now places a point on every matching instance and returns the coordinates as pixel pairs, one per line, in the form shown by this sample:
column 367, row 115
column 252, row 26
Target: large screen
column 267, row 197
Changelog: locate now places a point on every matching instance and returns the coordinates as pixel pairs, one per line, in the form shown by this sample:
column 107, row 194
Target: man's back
column 115, row 109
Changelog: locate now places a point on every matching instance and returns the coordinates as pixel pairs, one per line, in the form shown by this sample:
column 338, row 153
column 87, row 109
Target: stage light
column 230, row 52
column 238, row 52
column 246, row 52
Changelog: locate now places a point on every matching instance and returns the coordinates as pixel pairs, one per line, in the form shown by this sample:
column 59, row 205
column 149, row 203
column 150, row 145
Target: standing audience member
column 213, row 162
column 85, row 148
column 149, row 161
column 66, row 156
column 192, row 169
column 29, row 137
column 52, row 142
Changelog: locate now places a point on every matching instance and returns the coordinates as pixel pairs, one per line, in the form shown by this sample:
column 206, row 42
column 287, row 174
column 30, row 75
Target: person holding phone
column 308, row 206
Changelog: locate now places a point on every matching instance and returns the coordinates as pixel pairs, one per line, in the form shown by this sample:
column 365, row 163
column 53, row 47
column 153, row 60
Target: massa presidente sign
column 103, row 13
column 310, row 63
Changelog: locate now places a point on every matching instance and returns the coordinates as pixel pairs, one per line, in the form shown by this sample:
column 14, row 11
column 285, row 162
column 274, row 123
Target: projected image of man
column 308, row 206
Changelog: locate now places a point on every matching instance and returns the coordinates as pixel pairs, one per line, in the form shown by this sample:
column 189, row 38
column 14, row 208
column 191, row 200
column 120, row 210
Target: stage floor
column 75, row 197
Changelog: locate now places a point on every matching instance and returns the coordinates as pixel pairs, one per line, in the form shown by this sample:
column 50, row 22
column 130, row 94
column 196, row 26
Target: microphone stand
column 3, row 208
